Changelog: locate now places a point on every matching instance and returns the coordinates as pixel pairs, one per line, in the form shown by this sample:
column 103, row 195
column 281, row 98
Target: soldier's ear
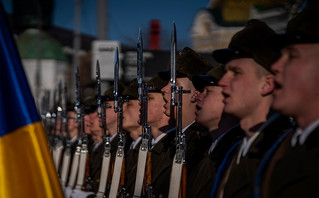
column 194, row 94
column 268, row 85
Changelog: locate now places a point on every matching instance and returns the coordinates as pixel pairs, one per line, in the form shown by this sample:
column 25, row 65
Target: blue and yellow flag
column 26, row 166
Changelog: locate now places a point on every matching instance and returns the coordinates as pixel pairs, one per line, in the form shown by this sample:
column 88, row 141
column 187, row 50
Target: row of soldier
column 246, row 128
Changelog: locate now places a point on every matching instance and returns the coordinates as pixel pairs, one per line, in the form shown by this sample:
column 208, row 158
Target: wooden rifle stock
column 122, row 180
column 182, row 192
column 109, row 177
column 87, row 179
column 148, row 186
column 149, row 169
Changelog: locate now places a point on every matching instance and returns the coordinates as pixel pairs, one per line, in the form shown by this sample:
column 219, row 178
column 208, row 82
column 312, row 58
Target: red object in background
column 154, row 41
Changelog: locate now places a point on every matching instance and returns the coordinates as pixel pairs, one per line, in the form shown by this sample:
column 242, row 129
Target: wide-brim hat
column 157, row 83
column 70, row 105
column 90, row 104
column 250, row 42
column 109, row 93
column 131, row 92
column 303, row 28
column 188, row 63
column 210, row 79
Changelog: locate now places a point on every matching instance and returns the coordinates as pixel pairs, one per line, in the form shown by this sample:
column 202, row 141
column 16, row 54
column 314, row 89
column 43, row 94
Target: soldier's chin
column 278, row 104
column 167, row 112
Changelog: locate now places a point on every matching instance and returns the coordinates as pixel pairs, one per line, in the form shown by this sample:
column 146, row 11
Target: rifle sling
column 117, row 172
column 82, row 166
column 57, row 152
column 104, row 172
column 176, row 175
column 65, row 165
column 74, row 168
column 141, row 163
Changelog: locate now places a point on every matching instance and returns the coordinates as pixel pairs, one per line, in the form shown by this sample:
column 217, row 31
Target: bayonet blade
column 59, row 108
column 139, row 64
column 173, row 66
column 116, row 79
column 77, row 96
column 65, row 117
column 98, row 87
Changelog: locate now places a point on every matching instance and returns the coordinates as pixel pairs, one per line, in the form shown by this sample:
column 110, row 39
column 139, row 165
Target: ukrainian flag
column 26, row 166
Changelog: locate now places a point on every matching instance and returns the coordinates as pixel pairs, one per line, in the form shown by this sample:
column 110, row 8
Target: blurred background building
column 50, row 53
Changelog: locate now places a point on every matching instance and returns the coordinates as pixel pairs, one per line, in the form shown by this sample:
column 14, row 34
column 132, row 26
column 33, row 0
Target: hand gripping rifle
column 145, row 147
column 179, row 163
column 77, row 109
column 67, row 152
column 119, row 158
column 106, row 138
column 58, row 148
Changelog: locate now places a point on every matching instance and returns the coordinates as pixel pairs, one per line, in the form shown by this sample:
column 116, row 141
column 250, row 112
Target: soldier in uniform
column 94, row 133
column 247, row 88
column 197, row 137
column 97, row 150
column 221, row 127
column 291, row 169
column 163, row 138
column 73, row 128
column 111, row 124
column 89, row 108
column 131, row 125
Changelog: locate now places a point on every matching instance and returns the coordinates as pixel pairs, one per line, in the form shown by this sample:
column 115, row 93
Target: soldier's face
column 131, row 114
column 241, row 87
column 209, row 106
column 71, row 121
column 58, row 126
column 155, row 108
column 87, row 124
column 297, row 81
column 187, row 99
column 111, row 116
column 166, row 91
column 96, row 130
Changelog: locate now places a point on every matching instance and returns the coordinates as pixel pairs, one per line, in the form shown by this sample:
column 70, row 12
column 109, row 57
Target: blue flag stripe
column 17, row 107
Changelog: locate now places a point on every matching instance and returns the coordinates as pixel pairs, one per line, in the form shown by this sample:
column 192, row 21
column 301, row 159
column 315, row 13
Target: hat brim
column 202, row 81
column 280, row 41
column 225, row 55
column 105, row 98
column 166, row 75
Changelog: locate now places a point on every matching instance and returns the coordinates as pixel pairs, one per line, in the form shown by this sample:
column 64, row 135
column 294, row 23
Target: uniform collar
column 303, row 134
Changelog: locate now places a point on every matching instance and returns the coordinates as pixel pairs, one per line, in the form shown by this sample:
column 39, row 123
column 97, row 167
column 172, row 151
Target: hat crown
column 131, row 90
column 217, row 72
column 157, row 83
column 305, row 24
column 252, row 37
column 189, row 63
column 250, row 42
column 109, row 93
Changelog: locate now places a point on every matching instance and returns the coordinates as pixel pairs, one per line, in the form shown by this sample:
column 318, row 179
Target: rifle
column 58, row 147
column 46, row 114
column 118, row 108
column 106, row 138
column 84, row 151
column 67, row 152
column 77, row 109
column 52, row 129
column 146, row 129
column 179, row 162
